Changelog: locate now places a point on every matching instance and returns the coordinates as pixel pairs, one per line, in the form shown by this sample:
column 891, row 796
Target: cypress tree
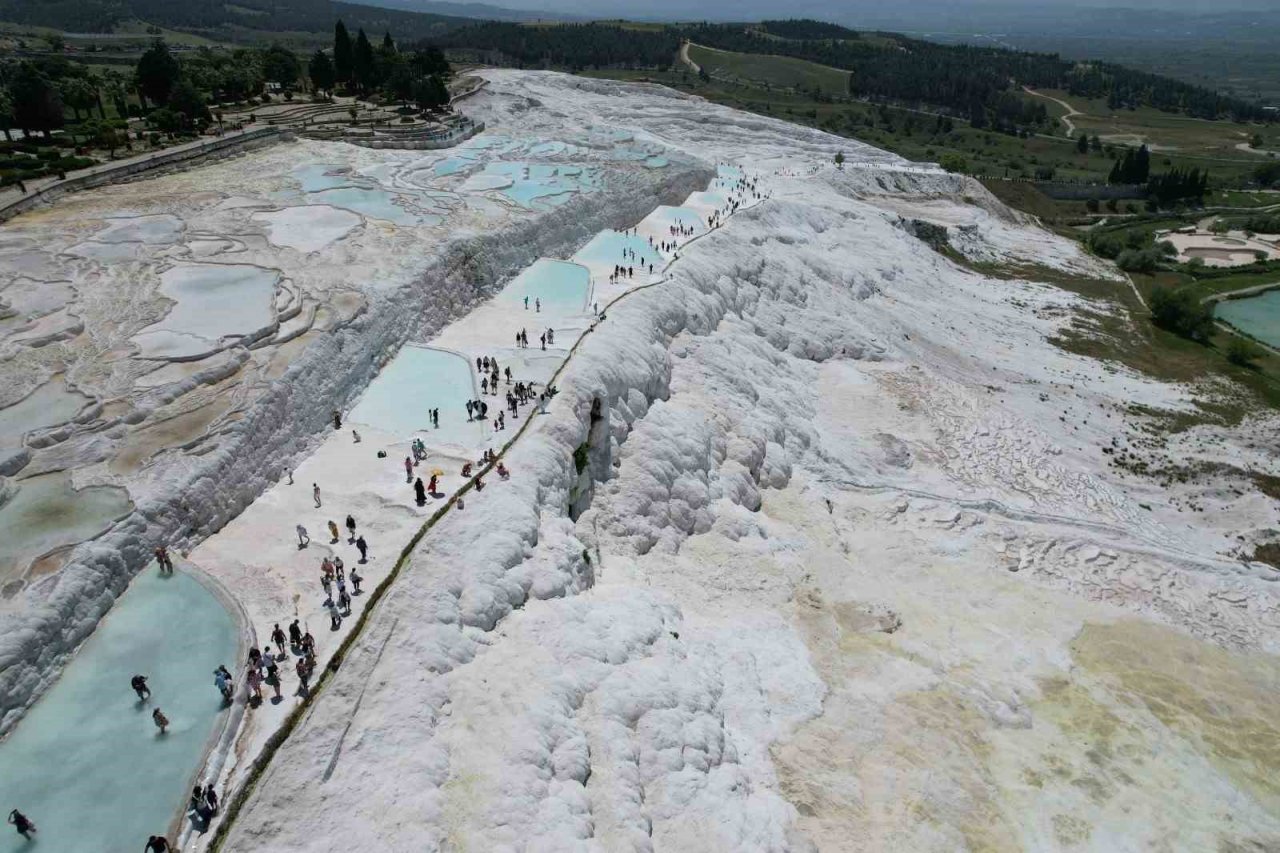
column 362, row 61
column 342, row 64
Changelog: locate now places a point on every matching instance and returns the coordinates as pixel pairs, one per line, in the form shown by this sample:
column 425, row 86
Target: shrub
column 1180, row 312
column 953, row 162
column 1242, row 353
column 1091, row 205
column 1139, row 260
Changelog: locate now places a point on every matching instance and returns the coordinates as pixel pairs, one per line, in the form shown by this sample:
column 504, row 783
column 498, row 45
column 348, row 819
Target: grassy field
column 1163, row 132
column 771, row 72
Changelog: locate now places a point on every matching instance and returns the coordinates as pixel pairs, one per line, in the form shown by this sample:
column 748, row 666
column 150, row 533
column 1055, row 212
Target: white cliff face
column 845, row 567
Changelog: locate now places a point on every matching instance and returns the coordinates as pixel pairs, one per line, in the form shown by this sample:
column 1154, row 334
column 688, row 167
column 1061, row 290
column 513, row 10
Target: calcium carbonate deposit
column 816, row 547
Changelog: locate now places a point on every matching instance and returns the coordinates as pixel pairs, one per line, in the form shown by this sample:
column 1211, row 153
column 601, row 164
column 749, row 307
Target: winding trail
column 1065, row 118
column 686, row 60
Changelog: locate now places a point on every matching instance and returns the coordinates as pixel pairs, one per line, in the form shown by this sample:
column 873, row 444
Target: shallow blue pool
column 561, row 286
column 664, row 217
column 418, row 379
column 87, row 764
column 608, row 248
column 1255, row 315
column 375, row 203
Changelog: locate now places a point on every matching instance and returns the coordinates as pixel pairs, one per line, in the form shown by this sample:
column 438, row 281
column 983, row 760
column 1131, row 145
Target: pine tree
column 342, row 60
column 1142, row 166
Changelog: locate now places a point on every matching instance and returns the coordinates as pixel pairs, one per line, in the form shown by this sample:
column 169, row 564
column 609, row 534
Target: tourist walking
column 139, row 685
column 157, row 844
column 277, row 637
column 253, row 678
column 211, row 799
column 163, row 559
column 351, row 528
column 295, row 634
column 335, row 617
column 303, row 538
column 315, row 493
column 420, row 491
column 363, row 548
column 408, row 470
column 333, row 531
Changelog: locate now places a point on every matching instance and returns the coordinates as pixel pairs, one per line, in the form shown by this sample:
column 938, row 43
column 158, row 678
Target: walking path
column 258, row 556
column 11, row 193
column 684, row 57
column 1066, row 118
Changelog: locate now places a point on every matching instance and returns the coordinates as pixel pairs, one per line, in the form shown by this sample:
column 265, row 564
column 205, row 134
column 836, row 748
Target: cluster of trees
column 1177, row 184
column 1268, row 174
column 1180, row 311
column 573, row 46
column 35, row 96
column 162, row 82
column 357, row 65
column 1133, row 168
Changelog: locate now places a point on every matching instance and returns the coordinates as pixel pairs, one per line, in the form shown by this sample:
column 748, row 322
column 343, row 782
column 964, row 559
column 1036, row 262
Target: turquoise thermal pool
column 87, row 764
column 561, row 286
column 609, row 247
column 1258, row 316
column 418, row 379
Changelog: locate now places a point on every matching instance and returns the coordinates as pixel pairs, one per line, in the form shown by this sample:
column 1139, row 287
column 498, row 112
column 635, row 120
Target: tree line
column 228, row 21
column 174, row 94
column 576, row 47
column 966, row 79
column 357, row 66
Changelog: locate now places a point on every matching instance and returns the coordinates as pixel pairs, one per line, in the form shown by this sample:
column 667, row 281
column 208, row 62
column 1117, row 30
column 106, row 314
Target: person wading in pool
column 161, row 721
column 139, row 685
column 22, row 824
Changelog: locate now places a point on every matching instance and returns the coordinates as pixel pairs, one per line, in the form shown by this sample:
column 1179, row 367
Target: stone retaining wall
column 176, row 158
